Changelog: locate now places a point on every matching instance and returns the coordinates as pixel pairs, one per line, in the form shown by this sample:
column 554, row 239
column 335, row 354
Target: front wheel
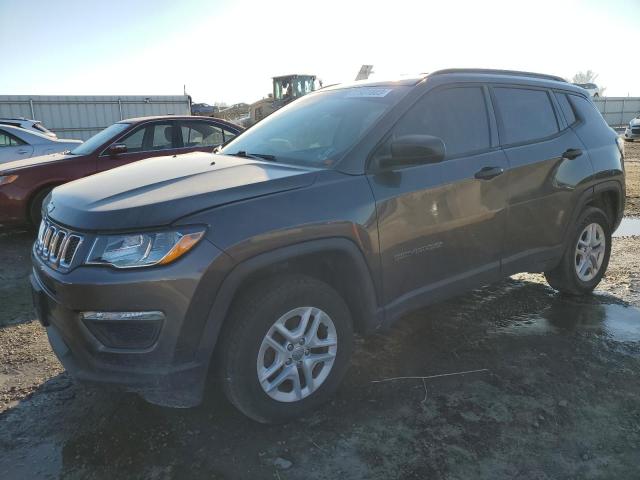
column 35, row 207
column 586, row 257
column 286, row 347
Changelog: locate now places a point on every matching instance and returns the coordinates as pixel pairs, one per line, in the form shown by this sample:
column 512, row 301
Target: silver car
column 27, row 124
column 592, row 88
column 632, row 131
column 18, row 143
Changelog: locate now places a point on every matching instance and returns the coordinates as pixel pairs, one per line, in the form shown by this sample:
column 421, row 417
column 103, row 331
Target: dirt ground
column 555, row 395
column 632, row 164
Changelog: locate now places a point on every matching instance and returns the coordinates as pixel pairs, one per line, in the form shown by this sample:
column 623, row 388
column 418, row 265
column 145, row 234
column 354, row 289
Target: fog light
column 133, row 330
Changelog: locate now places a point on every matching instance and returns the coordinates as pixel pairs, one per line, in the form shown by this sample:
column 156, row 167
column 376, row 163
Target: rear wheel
column 286, row 348
column 586, row 257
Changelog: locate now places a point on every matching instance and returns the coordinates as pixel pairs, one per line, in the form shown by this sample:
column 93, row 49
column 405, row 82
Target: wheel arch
column 336, row 261
column 48, row 186
column 609, row 197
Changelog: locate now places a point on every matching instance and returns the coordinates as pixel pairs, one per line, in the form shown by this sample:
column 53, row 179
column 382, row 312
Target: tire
column 35, row 207
column 566, row 277
column 243, row 351
column 628, row 140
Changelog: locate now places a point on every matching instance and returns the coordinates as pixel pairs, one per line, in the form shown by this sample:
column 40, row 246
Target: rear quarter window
column 567, row 109
column 526, row 114
column 587, row 111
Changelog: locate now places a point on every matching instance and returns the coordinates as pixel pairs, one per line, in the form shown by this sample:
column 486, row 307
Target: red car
column 25, row 183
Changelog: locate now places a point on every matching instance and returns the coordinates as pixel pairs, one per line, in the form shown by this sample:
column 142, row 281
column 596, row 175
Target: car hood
column 159, row 191
column 634, row 122
column 34, row 161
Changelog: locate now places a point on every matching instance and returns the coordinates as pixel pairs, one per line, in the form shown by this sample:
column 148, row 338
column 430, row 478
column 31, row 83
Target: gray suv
column 336, row 215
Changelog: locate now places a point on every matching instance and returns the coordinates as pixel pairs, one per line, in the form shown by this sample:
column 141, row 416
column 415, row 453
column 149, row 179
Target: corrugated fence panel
column 83, row 116
column 618, row 111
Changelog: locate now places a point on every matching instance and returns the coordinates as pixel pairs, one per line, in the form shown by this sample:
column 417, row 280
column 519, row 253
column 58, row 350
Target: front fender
column 371, row 314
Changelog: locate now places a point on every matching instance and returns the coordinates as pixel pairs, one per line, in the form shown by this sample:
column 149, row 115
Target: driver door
column 441, row 225
column 153, row 139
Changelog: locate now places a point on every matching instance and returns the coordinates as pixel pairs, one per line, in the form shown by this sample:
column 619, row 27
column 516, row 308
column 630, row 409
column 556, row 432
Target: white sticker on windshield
column 368, row 92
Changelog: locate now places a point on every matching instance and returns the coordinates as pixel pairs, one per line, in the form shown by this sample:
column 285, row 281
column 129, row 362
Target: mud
column 557, row 395
column 632, row 165
column 560, row 397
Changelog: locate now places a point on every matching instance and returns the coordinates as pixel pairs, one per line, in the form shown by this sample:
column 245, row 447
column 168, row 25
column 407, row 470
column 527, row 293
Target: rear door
column 152, row 139
column 547, row 164
column 203, row 136
column 442, row 224
column 13, row 148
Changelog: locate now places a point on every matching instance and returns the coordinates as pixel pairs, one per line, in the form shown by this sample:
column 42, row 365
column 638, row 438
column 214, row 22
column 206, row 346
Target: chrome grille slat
column 56, row 245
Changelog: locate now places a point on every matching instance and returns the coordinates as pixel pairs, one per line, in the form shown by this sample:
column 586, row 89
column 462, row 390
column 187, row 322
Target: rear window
column 526, row 114
column 566, row 108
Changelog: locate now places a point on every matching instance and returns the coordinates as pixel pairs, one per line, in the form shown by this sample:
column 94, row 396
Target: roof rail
column 500, row 72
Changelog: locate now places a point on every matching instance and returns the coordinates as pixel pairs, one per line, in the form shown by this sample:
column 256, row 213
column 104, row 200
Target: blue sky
column 227, row 51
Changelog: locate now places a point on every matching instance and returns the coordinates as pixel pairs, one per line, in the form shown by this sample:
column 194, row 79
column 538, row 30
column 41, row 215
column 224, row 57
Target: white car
column 32, row 125
column 592, row 88
column 632, row 131
column 18, row 143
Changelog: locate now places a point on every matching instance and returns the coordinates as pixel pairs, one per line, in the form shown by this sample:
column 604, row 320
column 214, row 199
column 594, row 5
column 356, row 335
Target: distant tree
column 588, row 77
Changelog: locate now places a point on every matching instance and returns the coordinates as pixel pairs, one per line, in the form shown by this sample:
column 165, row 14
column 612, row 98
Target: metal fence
column 618, row 111
column 81, row 117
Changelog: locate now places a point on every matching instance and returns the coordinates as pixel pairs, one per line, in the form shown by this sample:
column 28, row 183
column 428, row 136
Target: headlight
column 6, row 179
column 143, row 249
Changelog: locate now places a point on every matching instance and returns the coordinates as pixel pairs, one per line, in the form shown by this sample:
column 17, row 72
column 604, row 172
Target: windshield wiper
column 258, row 156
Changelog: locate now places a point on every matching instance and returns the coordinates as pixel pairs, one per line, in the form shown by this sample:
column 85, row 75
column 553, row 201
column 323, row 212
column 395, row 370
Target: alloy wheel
column 590, row 252
column 297, row 354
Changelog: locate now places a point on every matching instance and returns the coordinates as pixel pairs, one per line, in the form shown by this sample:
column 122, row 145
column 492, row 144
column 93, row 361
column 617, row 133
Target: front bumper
column 170, row 370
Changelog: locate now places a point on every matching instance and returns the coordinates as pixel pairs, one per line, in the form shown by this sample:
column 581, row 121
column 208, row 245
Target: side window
column 134, row 141
column 228, row 136
column 456, row 115
column 161, row 136
column 8, row 140
column 566, row 108
column 526, row 114
column 201, row 134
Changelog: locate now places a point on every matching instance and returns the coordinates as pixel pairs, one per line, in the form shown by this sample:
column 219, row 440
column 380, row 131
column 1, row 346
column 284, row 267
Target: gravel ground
column 557, row 396
column 632, row 164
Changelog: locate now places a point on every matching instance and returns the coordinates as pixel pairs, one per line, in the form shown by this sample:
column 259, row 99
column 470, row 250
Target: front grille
column 635, row 130
column 57, row 245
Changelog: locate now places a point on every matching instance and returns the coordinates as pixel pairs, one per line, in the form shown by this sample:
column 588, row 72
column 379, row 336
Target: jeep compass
column 335, row 215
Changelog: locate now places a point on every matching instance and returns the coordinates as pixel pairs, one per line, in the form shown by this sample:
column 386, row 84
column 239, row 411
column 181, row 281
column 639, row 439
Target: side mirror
column 410, row 150
column 117, row 149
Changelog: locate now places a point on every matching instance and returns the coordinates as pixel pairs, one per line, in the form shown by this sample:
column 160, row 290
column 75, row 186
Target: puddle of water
column 615, row 322
column 628, row 228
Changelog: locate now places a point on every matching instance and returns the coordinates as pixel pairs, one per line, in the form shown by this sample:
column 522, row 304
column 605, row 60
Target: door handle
column 487, row 173
column 572, row 153
column 22, row 151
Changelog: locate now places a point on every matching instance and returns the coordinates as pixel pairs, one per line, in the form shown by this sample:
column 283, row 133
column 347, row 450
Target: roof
column 176, row 117
column 508, row 73
column 293, row 75
column 402, row 81
column 17, row 119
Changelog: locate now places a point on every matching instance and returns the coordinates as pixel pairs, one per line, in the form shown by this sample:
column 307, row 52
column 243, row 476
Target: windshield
column 99, row 138
column 318, row 129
